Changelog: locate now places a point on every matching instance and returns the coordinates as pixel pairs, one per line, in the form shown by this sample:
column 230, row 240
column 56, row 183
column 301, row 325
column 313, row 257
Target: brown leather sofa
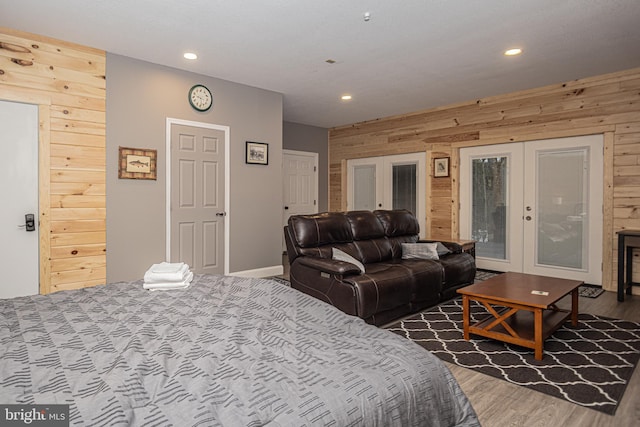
column 390, row 287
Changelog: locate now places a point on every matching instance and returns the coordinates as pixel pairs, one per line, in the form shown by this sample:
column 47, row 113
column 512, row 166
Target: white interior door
column 19, row 253
column 300, row 184
column 389, row 182
column 535, row 207
column 198, row 212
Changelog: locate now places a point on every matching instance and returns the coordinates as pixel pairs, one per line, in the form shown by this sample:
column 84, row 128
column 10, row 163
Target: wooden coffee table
column 529, row 314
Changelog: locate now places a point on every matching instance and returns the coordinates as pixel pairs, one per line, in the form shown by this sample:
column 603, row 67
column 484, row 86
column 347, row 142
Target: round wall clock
column 200, row 98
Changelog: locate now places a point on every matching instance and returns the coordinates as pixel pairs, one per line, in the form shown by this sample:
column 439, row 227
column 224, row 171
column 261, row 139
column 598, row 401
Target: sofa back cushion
column 399, row 222
column 315, row 230
column 400, row 226
column 369, row 237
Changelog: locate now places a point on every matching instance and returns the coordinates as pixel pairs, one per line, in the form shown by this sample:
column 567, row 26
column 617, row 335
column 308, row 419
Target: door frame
column 597, row 144
column 227, row 162
column 384, row 166
column 44, row 180
column 594, row 146
column 515, row 185
column 35, row 144
column 316, row 157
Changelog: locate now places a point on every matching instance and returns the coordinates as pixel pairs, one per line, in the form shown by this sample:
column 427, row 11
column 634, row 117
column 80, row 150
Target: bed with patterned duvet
column 226, row 351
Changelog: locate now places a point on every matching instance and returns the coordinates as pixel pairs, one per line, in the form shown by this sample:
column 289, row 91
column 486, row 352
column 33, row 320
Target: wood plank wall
column 68, row 83
column 607, row 104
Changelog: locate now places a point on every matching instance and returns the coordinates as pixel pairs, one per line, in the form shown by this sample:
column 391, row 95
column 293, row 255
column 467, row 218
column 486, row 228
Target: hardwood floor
column 499, row 403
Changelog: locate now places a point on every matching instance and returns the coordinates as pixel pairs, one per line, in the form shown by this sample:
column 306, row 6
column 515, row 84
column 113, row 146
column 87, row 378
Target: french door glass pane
column 489, row 206
column 364, row 183
column 561, row 213
column 404, row 187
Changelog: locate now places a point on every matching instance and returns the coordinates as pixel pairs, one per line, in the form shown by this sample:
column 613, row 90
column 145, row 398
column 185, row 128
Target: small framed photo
column 257, row 153
column 136, row 163
column 441, row 167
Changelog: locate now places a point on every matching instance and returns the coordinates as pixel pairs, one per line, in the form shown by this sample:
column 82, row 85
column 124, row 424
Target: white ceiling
column 411, row 54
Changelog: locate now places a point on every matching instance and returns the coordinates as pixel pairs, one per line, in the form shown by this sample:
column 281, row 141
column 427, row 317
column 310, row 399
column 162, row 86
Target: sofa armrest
column 454, row 247
column 329, row 266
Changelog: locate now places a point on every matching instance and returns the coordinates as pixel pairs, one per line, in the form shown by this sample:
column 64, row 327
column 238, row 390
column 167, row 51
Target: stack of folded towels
column 167, row 276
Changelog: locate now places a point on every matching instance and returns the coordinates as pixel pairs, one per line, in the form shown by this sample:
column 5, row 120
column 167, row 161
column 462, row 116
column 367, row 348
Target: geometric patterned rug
column 589, row 365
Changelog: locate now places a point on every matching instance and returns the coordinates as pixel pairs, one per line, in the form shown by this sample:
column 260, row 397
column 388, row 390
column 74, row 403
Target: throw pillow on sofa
column 442, row 249
column 420, row 251
column 339, row 255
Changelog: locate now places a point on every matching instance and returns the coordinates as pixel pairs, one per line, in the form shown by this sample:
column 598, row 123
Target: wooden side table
column 628, row 240
column 468, row 246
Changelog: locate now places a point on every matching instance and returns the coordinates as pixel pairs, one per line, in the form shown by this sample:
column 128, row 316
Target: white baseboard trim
column 275, row 270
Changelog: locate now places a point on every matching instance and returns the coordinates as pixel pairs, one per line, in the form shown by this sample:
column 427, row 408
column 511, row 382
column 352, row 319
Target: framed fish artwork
column 136, row 163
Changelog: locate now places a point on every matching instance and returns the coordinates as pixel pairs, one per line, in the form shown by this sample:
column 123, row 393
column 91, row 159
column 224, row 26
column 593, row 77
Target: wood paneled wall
column 607, row 104
column 68, row 83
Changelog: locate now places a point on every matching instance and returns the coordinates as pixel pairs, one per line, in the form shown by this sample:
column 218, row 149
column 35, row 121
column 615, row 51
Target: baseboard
column 275, row 270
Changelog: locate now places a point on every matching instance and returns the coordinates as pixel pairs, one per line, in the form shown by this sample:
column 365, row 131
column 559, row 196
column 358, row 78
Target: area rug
column 590, row 291
column 589, row 365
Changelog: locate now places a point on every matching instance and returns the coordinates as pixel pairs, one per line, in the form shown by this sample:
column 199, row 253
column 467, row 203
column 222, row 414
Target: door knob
column 528, row 218
column 29, row 222
column 221, row 214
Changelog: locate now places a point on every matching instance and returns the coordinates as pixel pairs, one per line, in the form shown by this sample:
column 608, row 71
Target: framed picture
column 441, row 167
column 257, row 153
column 136, row 163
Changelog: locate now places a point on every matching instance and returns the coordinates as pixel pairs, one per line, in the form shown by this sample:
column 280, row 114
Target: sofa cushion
column 364, row 225
column 320, row 229
column 427, row 279
column 398, row 222
column 374, row 250
column 458, row 269
column 383, row 287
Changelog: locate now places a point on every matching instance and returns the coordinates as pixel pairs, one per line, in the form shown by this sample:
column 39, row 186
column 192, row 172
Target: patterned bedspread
column 227, row 351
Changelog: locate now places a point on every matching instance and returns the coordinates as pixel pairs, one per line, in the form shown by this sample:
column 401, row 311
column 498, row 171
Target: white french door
column 389, row 182
column 535, row 207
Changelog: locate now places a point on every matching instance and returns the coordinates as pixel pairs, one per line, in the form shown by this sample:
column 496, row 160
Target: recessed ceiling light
column 190, row 55
column 346, row 97
column 514, row 51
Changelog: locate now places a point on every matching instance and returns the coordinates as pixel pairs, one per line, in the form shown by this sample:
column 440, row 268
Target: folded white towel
column 169, row 288
column 166, row 272
column 167, row 267
column 169, row 285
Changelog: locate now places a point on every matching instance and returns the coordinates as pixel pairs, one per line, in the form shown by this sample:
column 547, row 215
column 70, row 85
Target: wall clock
column 200, row 98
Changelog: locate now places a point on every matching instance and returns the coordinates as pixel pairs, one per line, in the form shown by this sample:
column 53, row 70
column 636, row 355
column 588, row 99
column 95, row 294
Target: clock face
column 200, row 98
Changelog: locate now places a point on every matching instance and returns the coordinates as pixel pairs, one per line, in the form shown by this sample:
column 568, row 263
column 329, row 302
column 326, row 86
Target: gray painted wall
column 140, row 97
column 313, row 139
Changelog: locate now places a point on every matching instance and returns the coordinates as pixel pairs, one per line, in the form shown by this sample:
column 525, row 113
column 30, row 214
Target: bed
column 226, row 351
